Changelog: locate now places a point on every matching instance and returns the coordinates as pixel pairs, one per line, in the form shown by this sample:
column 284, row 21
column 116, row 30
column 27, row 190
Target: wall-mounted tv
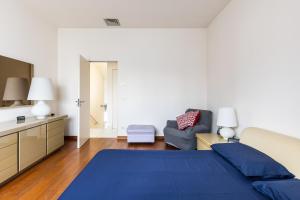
column 15, row 79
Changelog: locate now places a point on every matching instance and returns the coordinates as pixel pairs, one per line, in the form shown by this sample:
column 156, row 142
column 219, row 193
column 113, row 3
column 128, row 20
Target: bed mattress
column 160, row 175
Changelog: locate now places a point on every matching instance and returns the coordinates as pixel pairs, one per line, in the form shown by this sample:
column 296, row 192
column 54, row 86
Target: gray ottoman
column 141, row 134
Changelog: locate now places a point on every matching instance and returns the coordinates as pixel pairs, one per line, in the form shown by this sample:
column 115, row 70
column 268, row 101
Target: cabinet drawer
column 55, row 131
column 7, row 173
column 54, row 125
column 8, row 156
column 32, row 146
column 8, row 140
column 55, row 135
column 54, row 143
column 8, row 161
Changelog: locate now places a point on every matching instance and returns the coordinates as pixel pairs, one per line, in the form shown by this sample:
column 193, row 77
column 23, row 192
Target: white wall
column 254, row 65
column 25, row 37
column 161, row 71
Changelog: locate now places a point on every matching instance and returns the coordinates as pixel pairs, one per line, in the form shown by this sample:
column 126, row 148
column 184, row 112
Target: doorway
column 103, row 117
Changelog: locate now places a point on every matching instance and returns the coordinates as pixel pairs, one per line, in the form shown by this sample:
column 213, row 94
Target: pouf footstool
column 140, row 134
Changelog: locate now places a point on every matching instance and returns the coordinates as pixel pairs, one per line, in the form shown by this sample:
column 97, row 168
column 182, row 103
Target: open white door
column 83, row 102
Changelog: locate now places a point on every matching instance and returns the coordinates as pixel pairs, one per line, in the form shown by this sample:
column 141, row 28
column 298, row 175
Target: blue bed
column 160, row 175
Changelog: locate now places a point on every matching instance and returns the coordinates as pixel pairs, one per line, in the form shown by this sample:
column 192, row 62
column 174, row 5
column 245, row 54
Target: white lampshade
column 41, row 89
column 227, row 117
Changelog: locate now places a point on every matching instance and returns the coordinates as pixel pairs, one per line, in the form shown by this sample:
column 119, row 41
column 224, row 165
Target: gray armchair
column 186, row 139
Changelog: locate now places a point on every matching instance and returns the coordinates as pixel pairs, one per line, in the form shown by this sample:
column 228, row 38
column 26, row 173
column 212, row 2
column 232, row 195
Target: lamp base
column 40, row 110
column 227, row 133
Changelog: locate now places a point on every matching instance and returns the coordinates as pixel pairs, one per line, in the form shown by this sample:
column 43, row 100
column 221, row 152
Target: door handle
column 104, row 106
column 79, row 102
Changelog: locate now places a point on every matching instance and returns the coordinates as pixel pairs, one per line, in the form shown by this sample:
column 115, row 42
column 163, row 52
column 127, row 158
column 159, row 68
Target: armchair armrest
column 172, row 124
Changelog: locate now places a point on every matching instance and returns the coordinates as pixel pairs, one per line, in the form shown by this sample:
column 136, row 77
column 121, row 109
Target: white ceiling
column 131, row 13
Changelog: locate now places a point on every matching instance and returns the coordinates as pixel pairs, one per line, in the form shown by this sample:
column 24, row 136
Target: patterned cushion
column 188, row 119
column 196, row 117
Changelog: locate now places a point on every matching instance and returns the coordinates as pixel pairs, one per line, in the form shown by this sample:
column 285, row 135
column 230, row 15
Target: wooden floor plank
column 48, row 179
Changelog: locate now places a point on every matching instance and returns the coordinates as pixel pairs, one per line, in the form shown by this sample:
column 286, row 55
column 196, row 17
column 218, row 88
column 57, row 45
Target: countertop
column 12, row 126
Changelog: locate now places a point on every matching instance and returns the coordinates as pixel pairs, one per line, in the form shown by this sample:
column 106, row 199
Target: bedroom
column 205, row 54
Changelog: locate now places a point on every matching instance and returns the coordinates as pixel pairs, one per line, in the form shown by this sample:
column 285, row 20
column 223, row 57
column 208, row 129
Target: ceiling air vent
column 112, row 22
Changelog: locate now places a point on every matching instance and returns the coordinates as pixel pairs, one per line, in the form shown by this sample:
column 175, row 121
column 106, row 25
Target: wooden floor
column 48, row 179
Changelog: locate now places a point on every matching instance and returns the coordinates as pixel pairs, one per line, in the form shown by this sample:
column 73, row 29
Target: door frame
column 117, row 111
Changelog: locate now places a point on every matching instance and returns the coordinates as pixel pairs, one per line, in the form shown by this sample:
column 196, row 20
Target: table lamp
column 226, row 122
column 41, row 90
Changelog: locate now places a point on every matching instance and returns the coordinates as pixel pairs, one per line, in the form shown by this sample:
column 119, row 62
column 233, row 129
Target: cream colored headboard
column 282, row 148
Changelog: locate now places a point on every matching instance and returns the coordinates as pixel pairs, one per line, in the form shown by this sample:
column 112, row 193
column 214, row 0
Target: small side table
column 205, row 140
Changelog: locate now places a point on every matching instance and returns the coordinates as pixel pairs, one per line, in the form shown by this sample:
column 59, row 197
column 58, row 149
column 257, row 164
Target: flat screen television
column 15, row 79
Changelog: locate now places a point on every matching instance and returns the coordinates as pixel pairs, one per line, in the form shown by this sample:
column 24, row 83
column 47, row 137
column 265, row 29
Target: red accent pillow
column 188, row 119
column 197, row 117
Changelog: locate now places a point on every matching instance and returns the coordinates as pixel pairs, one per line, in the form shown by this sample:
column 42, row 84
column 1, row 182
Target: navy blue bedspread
column 160, row 175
